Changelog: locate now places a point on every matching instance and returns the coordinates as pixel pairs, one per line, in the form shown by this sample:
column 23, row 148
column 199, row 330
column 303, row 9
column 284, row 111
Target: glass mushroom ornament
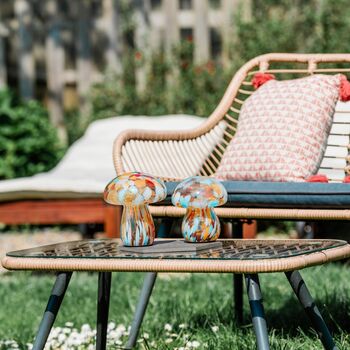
column 199, row 195
column 134, row 191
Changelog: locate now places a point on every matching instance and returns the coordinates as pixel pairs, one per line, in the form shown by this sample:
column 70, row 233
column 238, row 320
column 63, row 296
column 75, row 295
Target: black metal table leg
column 164, row 228
column 237, row 227
column 238, row 297
column 145, row 294
column 300, row 289
column 52, row 308
column 257, row 311
column 104, row 288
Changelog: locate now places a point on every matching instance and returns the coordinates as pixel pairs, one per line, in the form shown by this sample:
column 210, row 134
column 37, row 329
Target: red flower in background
column 189, row 38
column 210, row 66
column 138, row 55
column 184, row 64
column 198, row 70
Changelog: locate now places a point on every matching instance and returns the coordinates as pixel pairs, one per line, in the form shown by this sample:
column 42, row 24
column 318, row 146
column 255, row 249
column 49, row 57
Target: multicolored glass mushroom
column 134, row 191
column 200, row 195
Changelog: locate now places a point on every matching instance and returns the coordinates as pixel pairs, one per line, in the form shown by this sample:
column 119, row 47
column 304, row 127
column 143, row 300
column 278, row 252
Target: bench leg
column 52, row 308
column 145, row 294
column 237, row 228
column 164, row 228
column 300, row 289
column 257, row 311
column 104, row 289
column 238, row 297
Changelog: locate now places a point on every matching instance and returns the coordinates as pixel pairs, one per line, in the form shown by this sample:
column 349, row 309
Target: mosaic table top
column 230, row 249
column 232, row 256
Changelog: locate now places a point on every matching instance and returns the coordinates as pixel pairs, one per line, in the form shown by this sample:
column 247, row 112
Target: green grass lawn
column 195, row 310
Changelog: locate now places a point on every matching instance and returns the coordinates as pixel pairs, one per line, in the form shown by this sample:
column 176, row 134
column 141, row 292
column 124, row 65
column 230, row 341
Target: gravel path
column 16, row 241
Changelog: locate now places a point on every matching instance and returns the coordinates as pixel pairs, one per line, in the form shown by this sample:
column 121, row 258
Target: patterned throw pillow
column 282, row 131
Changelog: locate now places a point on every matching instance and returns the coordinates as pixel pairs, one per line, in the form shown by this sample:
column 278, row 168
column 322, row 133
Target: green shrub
column 189, row 89
column 275, row 26
column 28, row 142
column 320, row 26
column 73, row 122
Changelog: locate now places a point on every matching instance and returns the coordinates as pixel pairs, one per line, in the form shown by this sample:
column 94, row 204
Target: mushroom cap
column 199, row 192
column 134, row 189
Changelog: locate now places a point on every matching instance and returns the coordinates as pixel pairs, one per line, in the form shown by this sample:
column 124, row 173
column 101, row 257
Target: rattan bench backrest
column 174, row 156
column 336, row 158
column 335, row 163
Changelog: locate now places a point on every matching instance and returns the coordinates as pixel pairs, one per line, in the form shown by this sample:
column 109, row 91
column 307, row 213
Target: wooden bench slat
column 338, row 140
column 338, row 163
column 336, row 151
column 340, row 117
column 340, row 129
column 333, row 174
column 342, row 106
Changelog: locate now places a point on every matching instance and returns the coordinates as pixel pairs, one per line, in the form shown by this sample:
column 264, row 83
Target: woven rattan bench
column 174, row 156
column 248, row 257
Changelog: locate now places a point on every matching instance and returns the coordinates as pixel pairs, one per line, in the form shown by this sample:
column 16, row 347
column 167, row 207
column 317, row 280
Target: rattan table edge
column 262, row 213
column 177, row 265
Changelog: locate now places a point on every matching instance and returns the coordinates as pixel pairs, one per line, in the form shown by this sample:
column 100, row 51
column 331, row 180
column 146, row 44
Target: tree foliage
column 28, row 142
column 320, row 26
column 275, row 26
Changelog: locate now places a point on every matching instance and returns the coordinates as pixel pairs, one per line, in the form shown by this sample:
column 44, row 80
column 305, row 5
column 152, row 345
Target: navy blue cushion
column 282, row 194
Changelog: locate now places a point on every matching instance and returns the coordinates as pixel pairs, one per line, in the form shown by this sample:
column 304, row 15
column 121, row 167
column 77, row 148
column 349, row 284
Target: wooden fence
column 47, row 46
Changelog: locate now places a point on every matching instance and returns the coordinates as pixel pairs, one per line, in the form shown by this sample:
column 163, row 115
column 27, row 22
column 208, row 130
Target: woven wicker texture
column 175, row 156
column 234, row 256
column 231, row 249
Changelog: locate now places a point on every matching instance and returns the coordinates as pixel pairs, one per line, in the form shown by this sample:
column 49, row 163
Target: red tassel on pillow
column 344, row 89
column 317, row 178
column 261, row 78
column 346, row 179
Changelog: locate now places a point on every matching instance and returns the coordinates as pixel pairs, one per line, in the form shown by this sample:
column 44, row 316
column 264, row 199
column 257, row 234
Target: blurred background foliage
column 294, row 26
column 276, row 26
column 173, row 84
column 28, row 142
column 193, row 90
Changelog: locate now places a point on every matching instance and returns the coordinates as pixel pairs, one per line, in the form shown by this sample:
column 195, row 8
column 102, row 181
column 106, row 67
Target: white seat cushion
column 87, row 167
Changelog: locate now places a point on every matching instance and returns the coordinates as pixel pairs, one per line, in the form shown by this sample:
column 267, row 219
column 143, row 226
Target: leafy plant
column 176, row 85
column 189, row 89
column 28, row 142
column 292, row 26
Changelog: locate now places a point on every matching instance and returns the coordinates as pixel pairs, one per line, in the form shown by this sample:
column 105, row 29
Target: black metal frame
column 103, row 297
column 237, row 230
column 302, row 293
column 254, row 296
column 52, row 308
column 257, row 311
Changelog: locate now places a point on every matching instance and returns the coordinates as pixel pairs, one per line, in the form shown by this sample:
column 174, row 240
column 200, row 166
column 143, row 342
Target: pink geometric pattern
column 282, row 131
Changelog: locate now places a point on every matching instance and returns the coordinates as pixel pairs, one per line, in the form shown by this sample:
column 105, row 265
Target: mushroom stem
column 137, row 226
column 200, row 225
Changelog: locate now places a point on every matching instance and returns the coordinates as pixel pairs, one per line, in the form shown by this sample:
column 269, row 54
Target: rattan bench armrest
column 177, row 147
column 243, row 75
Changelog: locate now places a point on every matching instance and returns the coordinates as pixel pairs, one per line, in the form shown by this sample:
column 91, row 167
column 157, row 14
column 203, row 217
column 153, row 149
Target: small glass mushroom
column 200, row 195
column 134, row 191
